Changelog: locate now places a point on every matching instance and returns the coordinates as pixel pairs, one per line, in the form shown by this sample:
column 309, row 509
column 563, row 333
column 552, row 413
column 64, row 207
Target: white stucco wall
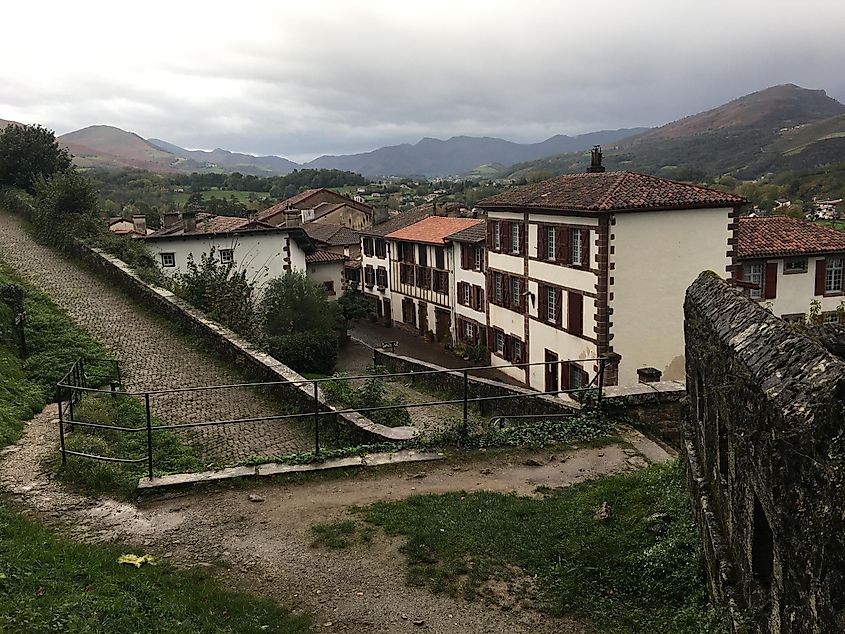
column 261, row 255
column 656, row 256
column 320, row 272
column 795, row 291
column 468, row 276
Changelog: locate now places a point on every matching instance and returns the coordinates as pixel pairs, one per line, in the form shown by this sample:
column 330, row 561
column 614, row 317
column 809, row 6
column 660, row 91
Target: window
column 439, row 258
column 575, row 247
column 168, row 259
column 381, row 248
column 551, row 305
column 795, row 266
column 441, row 281
column 754, row 275
column 423, row 277
column 479, row 258
column 516, row 350
column 499, row 342
column 467, row 295
column 497, row 236
column 227, row 256
column 795, row 318
column 369, row 276
column 833, row 275
column 576, row 375
column 329, row 286
column 516, row 293
column 422, row 258
column 368, row 246
column 381, row 277
column 468, row 331
column 497, row 287
column 515, row 241
column 406, row 252
column 406, row 273
column 551, row 243
column 830, row 318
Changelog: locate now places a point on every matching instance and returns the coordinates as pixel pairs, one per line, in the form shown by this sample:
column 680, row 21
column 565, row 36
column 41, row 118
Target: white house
column 597, row 264
column 787, row 264
column 469, row 285
column 263, row 251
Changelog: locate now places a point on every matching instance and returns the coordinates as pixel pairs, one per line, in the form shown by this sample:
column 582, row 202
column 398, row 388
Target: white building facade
column 469, row 286
column 597, row 264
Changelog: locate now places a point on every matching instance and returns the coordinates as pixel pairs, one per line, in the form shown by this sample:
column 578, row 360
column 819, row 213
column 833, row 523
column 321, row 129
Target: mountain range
column 781, row 127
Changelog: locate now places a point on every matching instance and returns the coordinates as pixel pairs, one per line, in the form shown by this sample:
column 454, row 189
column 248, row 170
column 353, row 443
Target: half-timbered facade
column 597, row 264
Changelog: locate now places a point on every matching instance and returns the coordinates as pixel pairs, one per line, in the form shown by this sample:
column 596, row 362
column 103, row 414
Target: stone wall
column 241, row 354
column 765, row 459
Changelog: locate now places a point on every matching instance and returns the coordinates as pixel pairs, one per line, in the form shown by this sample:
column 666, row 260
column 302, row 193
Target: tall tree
column 27, row 153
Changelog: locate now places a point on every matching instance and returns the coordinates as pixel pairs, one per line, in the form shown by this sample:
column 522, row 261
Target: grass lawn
column 50, row 584
column 639, row 571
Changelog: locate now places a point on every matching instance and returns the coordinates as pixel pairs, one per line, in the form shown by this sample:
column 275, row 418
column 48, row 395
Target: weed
column 341, row 534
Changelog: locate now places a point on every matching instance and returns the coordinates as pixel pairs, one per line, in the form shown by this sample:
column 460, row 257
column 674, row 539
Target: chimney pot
column 189, row 221
column 595, row 161
column 170, row 219
column 649, row 375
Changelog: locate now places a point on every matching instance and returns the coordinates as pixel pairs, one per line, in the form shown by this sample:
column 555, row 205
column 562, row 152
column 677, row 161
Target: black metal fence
column 93, row 377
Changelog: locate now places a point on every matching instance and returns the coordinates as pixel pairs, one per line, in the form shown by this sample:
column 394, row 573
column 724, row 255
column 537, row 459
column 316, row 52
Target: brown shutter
column 504, row 236
column 563, row 368
column 559, row 303
column 491, row 342
column 523, row 248
column 543, row 309
column 738, row 273
column 585, row 248
column 575, row 321
column 562, row 245
column 522, row 297
column 770, row 281
column 480, row 293
column 585, row 378
column 541, row 242
column 507, row 347
column 821, row 274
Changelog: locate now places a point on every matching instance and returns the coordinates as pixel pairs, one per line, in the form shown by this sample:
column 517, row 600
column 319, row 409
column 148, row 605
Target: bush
column 64, row 209
column 312, row 351
column 372, row 393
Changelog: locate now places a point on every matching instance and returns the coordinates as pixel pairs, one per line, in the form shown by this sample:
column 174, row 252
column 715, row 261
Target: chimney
column 170, row 219
column 189, row 221
column 649, row 375
column 595, row 161
column 139, row 224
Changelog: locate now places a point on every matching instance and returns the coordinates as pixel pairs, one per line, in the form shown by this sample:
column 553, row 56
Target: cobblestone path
column 153, row 357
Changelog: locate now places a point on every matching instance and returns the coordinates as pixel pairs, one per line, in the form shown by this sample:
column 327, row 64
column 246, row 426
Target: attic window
column 227, row 256
column 168, row 259
column 795, row 266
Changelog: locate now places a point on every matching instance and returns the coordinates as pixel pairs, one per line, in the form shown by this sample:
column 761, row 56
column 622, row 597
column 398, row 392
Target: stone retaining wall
column 240, row 353
column 764, row 452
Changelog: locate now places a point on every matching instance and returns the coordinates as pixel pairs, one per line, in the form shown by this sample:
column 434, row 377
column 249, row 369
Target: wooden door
column 423, row 318
column 552, row 372
column 388, row 317
column 442, row 323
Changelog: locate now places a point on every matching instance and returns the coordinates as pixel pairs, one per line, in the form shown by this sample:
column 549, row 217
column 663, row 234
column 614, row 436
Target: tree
column 28, row 153
column 65, row 207
column 293, row 303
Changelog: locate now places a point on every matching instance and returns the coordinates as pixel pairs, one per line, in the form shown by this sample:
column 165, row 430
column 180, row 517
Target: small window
column 497, row 236
column 497, row 287
column 795, row 266
column 381, row 277
column 468, row 334
column 516, row 293
column 833, row 276
column 551, row 243
column 422, row 258
column 830, row 318
column 551, row 305
column 329, row 286
column 227, row 256
column 381, row 248
column 754, row 275
column 467, row 296
column 516, row 350
column 515, row 242
column 795, row 318
column 576, row 376
column 575, row 246
column 439, row 257
column 369, row 276
column 168, row 259
column 499, row 342
column 479, row 258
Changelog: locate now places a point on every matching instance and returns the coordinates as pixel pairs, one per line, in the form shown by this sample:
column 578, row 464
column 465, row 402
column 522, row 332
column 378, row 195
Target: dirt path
column 265, row 547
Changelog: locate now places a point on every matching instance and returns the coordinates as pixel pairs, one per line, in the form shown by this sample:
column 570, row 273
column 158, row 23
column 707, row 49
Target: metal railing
column 77, row 383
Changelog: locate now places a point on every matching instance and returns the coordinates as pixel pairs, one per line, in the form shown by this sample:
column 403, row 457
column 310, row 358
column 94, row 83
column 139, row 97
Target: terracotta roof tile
column 325, row 256
column 611, row 191
column 208, row 224
column 782, row 236
column 328, row 233
column 293, row 201
column 433, row 230
column 475, row 233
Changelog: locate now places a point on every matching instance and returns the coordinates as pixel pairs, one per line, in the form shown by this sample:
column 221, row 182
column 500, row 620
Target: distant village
column 564, row 269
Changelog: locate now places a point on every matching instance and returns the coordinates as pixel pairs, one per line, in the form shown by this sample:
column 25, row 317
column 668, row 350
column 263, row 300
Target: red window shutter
column 585, row 248
column 770, row 281
column 559, row 303
column 542, row 243
column 575, row 321
column 507, row 347
column 821, row 274
column 523, row 234
column 544, row 302
column 505, row 236
column 564, row 376
column 562, row 245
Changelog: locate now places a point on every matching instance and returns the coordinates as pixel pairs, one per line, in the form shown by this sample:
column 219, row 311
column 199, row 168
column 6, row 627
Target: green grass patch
column 50, row 584
column 54, row 342
column 170, row 455
column 640, row 571
column 341, row 534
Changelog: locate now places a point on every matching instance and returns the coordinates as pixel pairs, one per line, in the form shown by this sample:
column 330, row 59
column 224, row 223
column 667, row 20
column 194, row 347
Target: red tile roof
column 293, row 201
column 610, row 191
column 782, row 236
column 325, row 256
column 433, row 229
column 211, row 224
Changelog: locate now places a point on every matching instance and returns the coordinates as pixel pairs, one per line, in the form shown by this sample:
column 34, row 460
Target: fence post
column 316, row 420
column 149, row 436
column 466, row 406
column 61, row 425
column 70, row 403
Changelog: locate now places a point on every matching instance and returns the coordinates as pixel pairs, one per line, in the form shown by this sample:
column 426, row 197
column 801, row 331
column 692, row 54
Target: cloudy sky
column 301, row 79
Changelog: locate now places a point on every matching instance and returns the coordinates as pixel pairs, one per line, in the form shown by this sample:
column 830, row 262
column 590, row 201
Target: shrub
column 312, row 351
column 372, row 393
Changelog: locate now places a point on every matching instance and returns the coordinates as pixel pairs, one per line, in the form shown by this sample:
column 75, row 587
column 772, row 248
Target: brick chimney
column 189, row 221
column 139, row 224
column 595, row 161
column 170, row 219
